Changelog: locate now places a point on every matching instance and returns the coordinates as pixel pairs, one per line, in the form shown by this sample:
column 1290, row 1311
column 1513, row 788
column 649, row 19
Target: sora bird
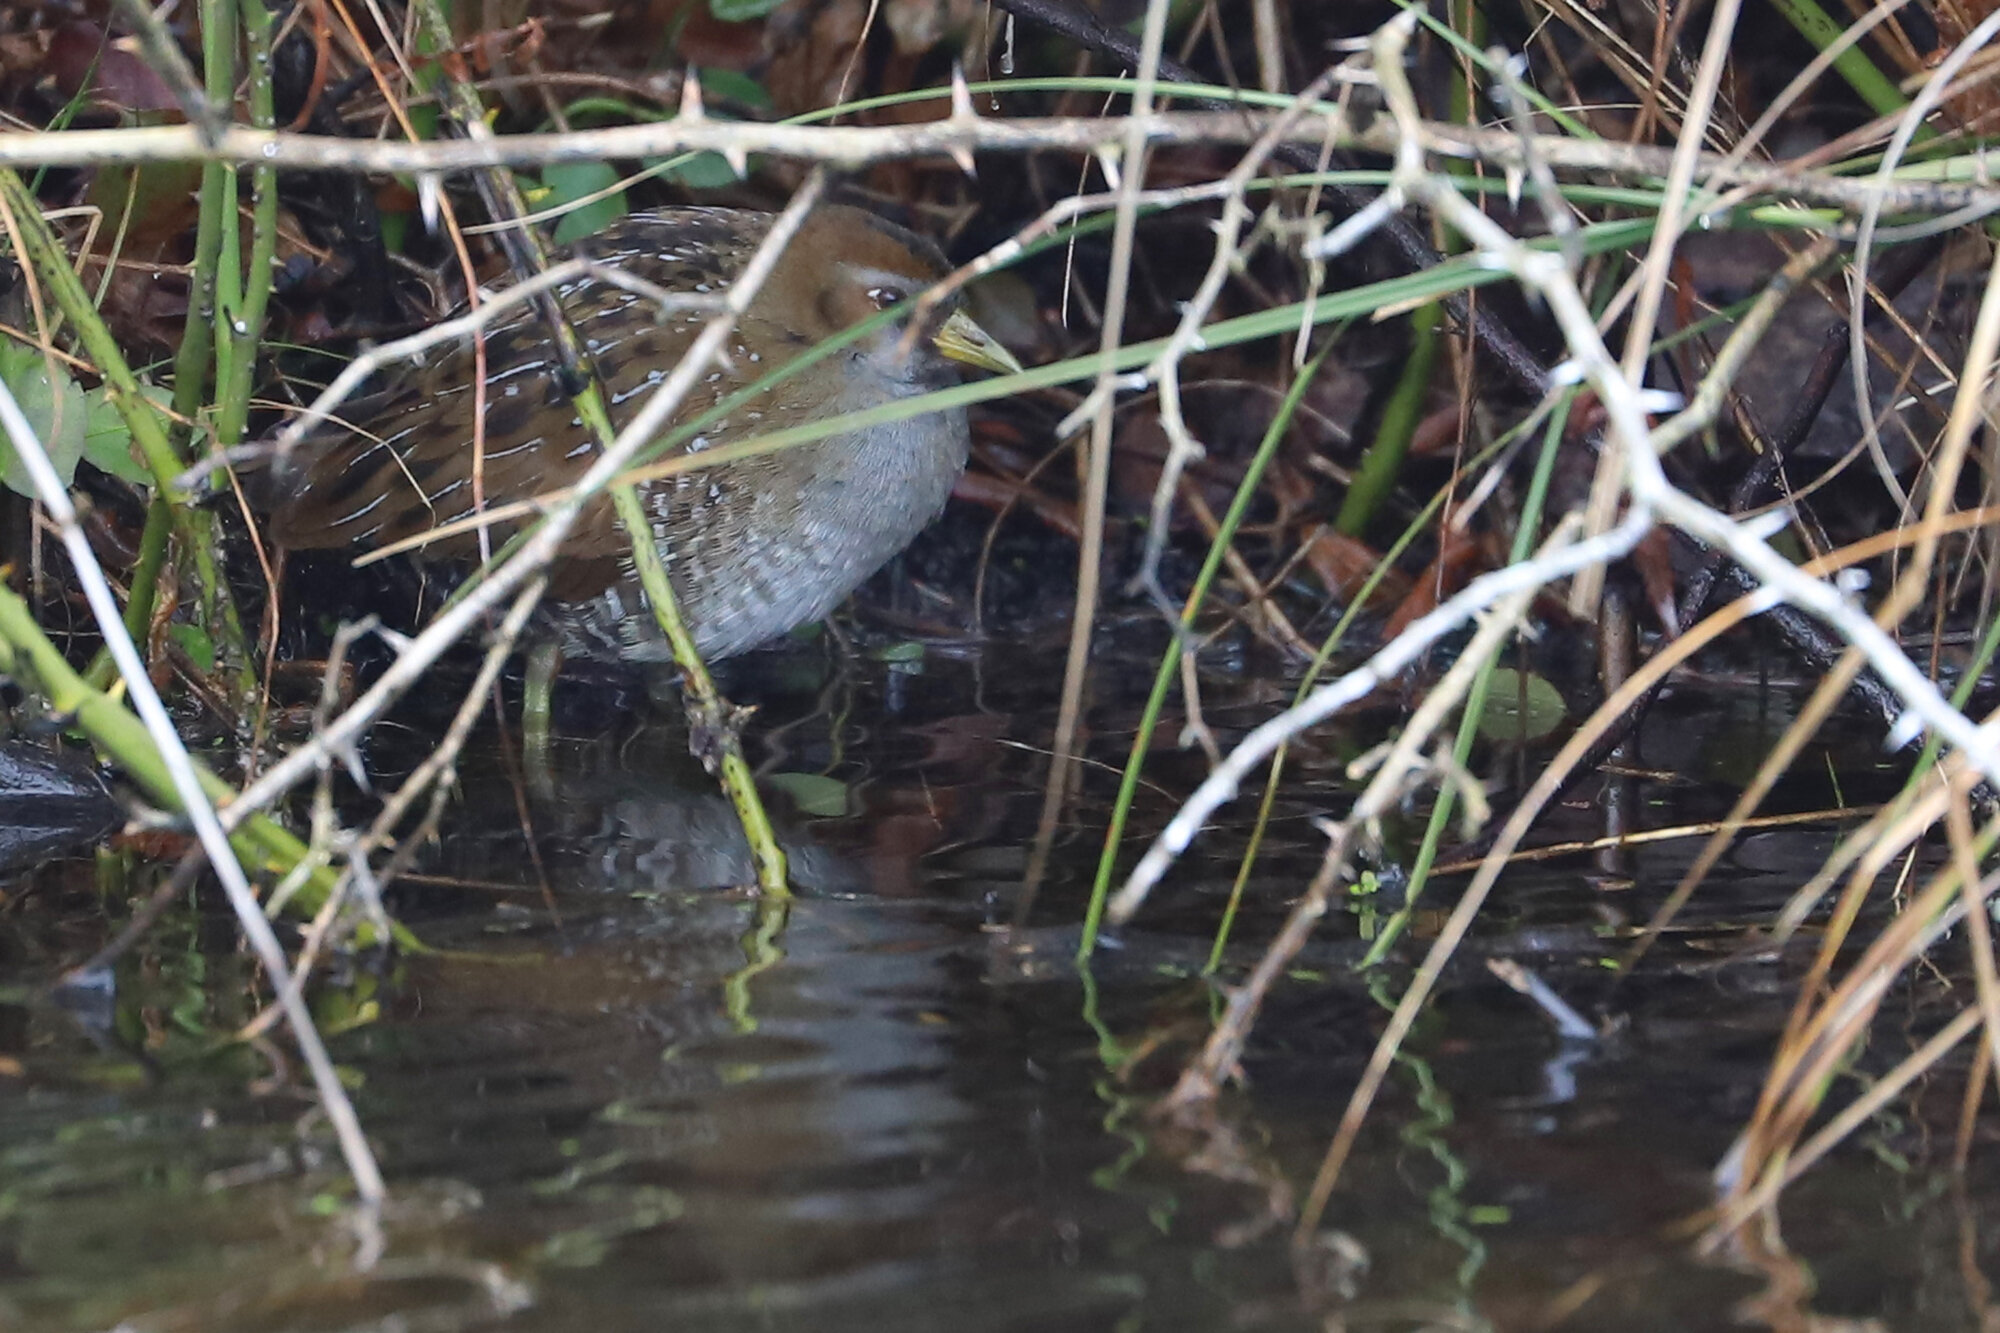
column 754, row 546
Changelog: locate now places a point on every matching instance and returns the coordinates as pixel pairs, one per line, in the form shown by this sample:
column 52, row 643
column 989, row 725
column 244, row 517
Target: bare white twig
column 1418, row 637
column 1165, row 370
column 1608, row 482
column 1648, row 493
column 1126, row 174
column 356, row 372
column 1648, row 487
column 853, row 146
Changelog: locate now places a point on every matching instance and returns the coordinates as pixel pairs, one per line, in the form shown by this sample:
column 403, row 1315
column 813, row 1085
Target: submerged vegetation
column 1486, row 372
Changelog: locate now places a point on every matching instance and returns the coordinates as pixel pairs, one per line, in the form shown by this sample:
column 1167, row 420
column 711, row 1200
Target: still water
column 621, row 1097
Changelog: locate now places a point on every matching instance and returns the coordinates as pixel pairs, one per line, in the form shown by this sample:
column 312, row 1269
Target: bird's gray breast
column 800, row 532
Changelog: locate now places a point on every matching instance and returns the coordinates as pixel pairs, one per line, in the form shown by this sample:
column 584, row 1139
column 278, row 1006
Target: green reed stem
column 762, row 950
column 263, row 844
column 1383, row 462
column 1451, row 276
column 713, row 719
column 243, row 289
column 1874, row 87
column 144, row 588
column 1149, row 718
column 197, row 530
column 194, row 362
column 1475, row 698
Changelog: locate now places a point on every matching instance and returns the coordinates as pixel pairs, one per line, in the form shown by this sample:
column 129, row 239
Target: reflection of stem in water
column 834, row 704
column 761, row 952
column 1449, row 1212
column 1125, row 1119
column 1109, row 1049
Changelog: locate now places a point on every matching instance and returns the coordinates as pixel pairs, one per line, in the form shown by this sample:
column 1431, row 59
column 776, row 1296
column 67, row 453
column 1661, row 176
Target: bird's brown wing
column 404, row 461
column 411, row 464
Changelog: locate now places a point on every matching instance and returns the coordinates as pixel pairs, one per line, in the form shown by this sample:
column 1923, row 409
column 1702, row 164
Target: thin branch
column 857, row 145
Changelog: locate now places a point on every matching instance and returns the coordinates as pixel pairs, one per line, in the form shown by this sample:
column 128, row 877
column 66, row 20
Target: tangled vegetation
column 1386, row 342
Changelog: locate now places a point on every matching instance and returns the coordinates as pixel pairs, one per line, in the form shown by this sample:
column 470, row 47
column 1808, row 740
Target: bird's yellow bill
column 962, row 340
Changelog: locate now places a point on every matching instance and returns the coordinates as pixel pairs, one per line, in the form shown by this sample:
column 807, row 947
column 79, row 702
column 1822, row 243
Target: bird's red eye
column 884, row 297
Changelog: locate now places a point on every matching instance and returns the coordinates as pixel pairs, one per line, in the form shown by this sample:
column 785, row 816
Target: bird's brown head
column 847, row 265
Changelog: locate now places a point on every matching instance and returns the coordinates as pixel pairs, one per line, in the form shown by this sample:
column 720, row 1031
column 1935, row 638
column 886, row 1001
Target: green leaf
column 697, row 171
column 197, row 645
column 741, row 11
column 570, row 181
column 1520, row 708
column 813, row 793
column 339, row 1011
column 735, row 86
column 107, row 441
column 55, row 410
column 589, row 112
column 395, row 231
column 424, row 120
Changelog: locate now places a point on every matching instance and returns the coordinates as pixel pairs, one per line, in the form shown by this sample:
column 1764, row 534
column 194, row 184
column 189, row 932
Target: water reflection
column 624, row 1113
